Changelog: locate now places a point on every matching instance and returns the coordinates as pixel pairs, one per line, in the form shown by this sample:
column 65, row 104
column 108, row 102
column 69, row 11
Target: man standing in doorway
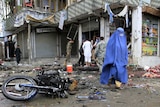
column 87, row 48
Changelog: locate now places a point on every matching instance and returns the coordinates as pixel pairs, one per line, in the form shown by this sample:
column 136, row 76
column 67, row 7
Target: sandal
column 118, row 84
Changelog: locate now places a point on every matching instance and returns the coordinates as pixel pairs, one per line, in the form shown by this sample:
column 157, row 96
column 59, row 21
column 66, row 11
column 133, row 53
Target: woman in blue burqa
column 116, row 59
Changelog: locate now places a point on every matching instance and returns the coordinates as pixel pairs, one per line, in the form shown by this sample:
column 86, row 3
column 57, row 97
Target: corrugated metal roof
column 154, row 3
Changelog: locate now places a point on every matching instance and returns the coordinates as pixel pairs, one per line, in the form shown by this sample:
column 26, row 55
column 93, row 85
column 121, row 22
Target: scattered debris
column 89, row 82
column 152, row 72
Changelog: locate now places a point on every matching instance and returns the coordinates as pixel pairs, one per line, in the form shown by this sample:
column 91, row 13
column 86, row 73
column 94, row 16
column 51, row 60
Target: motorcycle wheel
column 12, row 89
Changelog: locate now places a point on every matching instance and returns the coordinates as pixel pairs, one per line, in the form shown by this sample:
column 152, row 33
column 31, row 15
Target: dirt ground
column 139, row 92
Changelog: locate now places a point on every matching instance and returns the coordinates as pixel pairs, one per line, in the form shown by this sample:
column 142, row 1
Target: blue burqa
column 116, row 58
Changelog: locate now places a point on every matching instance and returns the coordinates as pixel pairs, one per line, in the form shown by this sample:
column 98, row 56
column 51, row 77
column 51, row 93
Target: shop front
column 145, row 38
column 90, row 28
column 150, row 35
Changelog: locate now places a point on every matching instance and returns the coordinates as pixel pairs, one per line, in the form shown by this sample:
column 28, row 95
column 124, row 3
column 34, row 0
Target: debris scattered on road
column 152, row 72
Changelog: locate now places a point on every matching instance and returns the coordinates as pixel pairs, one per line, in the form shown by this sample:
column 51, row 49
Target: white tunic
column 87, row 48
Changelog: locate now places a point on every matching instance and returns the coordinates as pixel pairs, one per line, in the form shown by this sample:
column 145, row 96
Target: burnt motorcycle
column 22, row 88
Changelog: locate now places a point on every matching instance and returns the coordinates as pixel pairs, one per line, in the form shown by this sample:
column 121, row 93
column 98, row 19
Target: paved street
column 140, row 92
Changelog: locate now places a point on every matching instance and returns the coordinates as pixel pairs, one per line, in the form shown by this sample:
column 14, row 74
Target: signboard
column 42, row 30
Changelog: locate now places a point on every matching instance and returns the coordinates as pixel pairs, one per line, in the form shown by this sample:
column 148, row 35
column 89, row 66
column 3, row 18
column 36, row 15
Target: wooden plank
column 152, row 11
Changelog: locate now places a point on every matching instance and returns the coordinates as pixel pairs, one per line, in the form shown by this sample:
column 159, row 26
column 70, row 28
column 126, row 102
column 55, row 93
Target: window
column 149, row 35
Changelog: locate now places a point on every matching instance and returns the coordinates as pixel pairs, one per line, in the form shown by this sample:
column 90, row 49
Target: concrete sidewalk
column 39, row 61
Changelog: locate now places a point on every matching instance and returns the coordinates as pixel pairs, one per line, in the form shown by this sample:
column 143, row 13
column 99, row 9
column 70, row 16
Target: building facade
column 42, row 27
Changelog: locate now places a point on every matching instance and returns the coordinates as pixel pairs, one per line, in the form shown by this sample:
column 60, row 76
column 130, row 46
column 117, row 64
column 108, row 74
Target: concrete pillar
column 104, row 29
column 79, row 35
column 136, row 34
column 8, row 53
column 34, row 44
column 56, row 5
column 29, row 43
column 23, row 45
column 35, row 3
column 68, row 2
column 3, row 50
column 107, row 30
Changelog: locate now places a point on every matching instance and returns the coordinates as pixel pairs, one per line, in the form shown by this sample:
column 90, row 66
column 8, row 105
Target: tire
column 11, row 88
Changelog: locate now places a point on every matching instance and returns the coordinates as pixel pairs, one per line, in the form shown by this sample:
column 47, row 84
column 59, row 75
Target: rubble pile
column 3, row 66
column 152, row 72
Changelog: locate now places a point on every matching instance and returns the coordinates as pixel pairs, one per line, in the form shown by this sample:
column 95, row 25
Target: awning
column 49, row 19
column 152, row 11
column 153, row 3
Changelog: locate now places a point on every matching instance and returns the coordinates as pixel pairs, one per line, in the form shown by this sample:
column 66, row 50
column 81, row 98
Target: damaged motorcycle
column 52, row 82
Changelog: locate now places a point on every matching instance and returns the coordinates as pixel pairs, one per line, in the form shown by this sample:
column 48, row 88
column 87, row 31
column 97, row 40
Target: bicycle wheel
column 14, row 88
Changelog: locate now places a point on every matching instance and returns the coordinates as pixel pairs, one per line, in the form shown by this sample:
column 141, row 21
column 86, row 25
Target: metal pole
column 8, row 52
column 69, row 30
column 75, row 34
column 89, row 29
column 5, row 10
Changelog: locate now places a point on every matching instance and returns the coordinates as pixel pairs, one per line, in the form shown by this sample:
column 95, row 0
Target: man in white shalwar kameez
column 87, row 48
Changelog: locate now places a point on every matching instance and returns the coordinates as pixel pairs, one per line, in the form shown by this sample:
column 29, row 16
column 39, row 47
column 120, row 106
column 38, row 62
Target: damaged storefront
column 90, row 28
column 35, row 37
column 145, row 38
column 141, row 24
